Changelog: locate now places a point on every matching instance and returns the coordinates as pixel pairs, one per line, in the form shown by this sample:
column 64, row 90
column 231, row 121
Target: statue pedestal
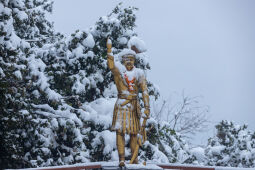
column 111, row 168
column 142, row 167
column 114, row 166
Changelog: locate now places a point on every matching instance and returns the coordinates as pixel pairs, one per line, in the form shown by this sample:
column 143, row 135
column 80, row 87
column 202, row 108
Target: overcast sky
column 205, row 47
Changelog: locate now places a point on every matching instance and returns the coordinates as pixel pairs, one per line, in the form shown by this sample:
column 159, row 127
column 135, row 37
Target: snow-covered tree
column 19, row 20
column 164, row 144
column 233, row 145
column 58, row 94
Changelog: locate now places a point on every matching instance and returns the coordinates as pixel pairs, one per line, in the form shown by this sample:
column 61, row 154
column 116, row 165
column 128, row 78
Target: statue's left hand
column 147, row 112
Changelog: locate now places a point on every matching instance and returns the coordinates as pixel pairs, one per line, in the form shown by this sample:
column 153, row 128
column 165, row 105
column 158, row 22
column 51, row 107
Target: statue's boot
column 121, row 164
column 133, row 143
column 121, row 148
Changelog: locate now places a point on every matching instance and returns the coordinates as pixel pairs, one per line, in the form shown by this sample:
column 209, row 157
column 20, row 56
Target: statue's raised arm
column 110, row 58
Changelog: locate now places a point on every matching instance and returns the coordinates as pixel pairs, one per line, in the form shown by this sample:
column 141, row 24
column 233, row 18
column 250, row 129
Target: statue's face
column 129, row 62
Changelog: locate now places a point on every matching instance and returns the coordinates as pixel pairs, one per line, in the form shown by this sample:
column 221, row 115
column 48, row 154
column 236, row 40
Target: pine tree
column 232, row 146
column 164, row 144
column 18, row 21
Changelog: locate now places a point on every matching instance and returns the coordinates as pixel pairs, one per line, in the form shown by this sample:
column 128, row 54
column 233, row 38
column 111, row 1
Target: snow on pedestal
column 115, row 165
column 141, row 166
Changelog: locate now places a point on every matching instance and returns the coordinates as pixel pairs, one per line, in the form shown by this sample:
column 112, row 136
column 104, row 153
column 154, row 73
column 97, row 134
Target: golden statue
column 127, row 110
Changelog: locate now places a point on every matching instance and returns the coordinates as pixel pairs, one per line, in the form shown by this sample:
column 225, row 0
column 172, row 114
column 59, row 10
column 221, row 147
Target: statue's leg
column 121, row 147
column 133, row 143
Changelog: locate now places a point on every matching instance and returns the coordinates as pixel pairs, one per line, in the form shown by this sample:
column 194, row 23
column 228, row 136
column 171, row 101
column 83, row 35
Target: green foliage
column 170, row 146
column 233, row 146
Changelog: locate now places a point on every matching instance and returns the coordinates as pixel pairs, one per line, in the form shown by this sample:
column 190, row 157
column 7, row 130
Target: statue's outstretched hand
column 109, row 45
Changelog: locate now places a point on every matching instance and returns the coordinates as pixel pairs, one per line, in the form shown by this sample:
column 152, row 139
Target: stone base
column 111, row 168
column 142, row 167
column 131, row 167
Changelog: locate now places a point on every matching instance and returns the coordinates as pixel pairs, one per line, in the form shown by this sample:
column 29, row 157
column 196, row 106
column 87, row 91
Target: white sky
column 205, row 47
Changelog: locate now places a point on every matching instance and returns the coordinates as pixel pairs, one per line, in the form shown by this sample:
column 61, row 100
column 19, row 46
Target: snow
column 122, row 40
column 120, row 66
column 101, row 110
column 48, row 111
column 15, row 40
column 138, row 43
column 36, row 93
column 199, row 153
column 109, row 41
column 130, row 74
column 114, row 155
column 182, row 155
column 80, row 82
column 111, row 91
column 1, row 8
column 231, row 168
column 21, row 15
column 78, row 52
column 246, row 155
column 54, row 123
column 6, row 11
column 2, row 72
column 89, row 41
column 216, row 150
column 158, row 156
column 125, row 51
column 128, row 33
column 37, row 67
column 109, row 139
column 134, row 73
column 78, row 165
column 199, row 166
column 141, row 166
column 18, row 74
column 18, row 4
column 110, row 20
column 143, row 58
column 24, row 112
column 25, row 45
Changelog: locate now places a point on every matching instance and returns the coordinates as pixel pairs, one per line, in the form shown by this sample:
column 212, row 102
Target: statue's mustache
column 129, row 64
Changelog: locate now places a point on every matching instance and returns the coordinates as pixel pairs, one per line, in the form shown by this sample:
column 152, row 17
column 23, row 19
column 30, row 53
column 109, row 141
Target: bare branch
column 186, row 117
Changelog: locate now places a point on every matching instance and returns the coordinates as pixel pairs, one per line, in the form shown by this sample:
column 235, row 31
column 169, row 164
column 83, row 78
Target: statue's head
column 128, row 61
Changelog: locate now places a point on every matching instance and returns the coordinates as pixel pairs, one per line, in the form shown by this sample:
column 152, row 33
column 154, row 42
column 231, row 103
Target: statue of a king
column 127, row 110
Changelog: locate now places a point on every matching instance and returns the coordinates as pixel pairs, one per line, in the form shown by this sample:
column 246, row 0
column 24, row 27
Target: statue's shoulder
column 140, row 74
column 120, row 67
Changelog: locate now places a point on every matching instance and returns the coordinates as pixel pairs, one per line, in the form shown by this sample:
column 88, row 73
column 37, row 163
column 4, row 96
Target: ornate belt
column 128, row 97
